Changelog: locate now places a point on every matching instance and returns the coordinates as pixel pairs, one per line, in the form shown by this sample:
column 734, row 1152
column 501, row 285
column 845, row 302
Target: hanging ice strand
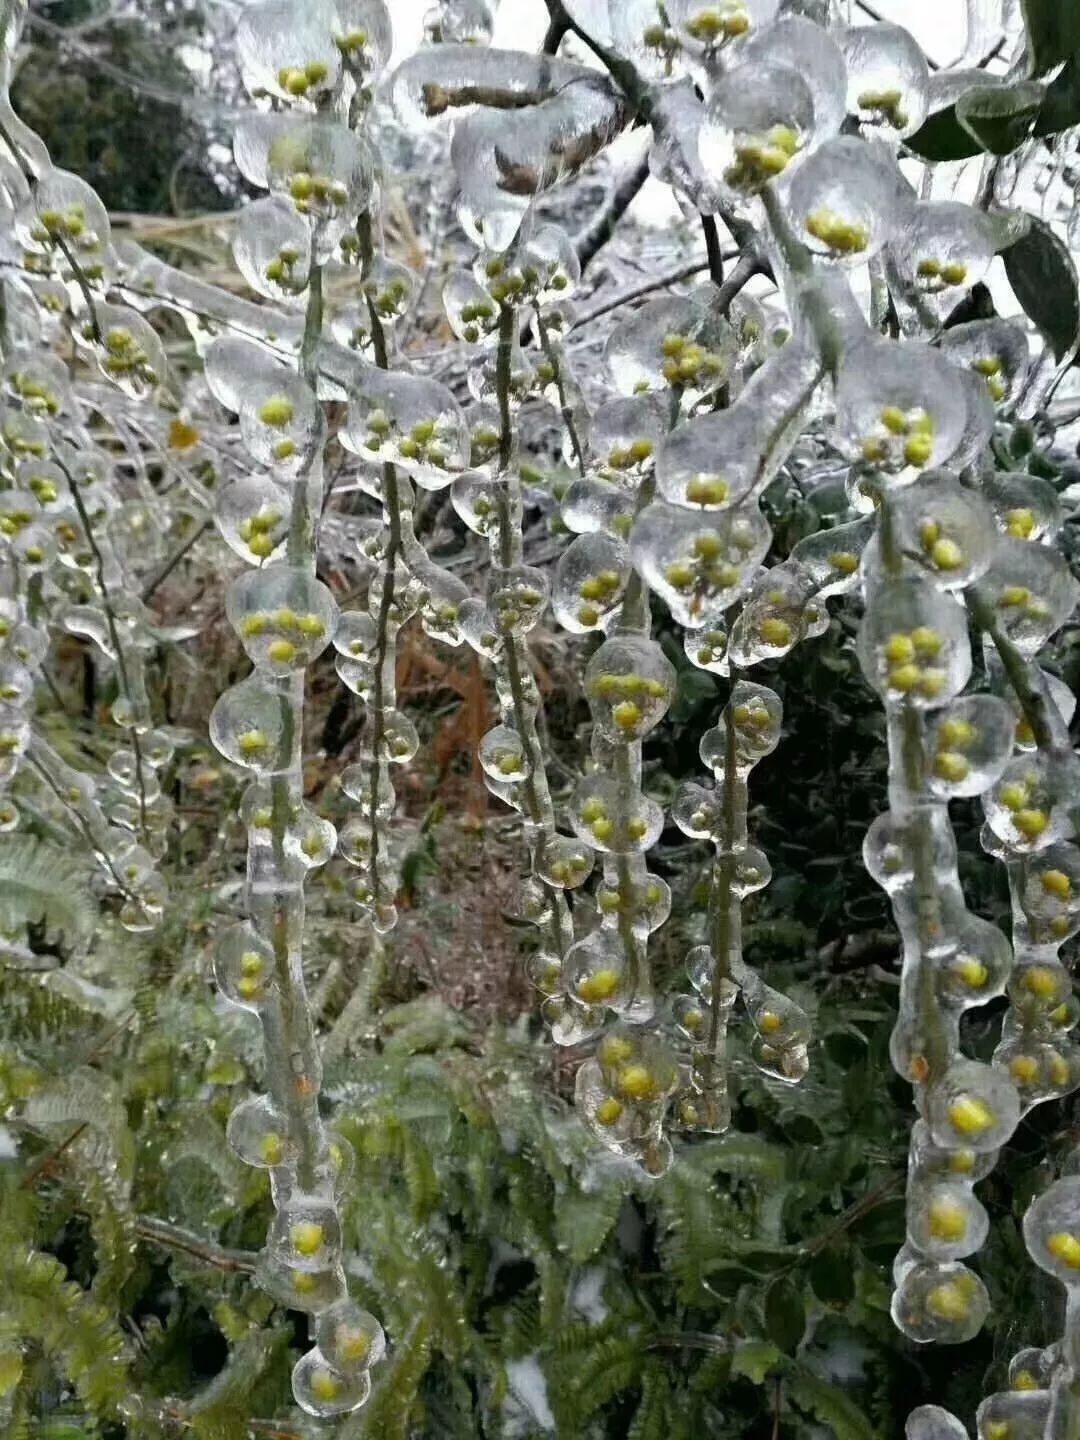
column 315, row 58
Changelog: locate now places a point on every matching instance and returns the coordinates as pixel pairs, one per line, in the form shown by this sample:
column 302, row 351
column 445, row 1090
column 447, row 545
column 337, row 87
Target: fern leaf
column 40, row 884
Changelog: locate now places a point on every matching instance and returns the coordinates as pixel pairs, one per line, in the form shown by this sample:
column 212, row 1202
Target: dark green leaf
column 1043, row 277
column 785, row 1314
column 1061, row 104
column 1000, row 117
column 832, row 1276
column 942, row 137
column 1053, row 28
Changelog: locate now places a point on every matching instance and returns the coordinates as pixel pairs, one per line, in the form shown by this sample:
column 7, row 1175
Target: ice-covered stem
column 556, row 359
column 59, row 239
column 725, row 931
column 1017, row 669
column 123, row 677
column 514, row 656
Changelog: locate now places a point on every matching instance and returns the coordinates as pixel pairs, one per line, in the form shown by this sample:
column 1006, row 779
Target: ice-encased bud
column 597, row 972
column 760, row 118
column 64, row 210
column 705, row 27
column 272, row 249
column 244, row 966
column 1050, row 894
column 943, row 248
column 408, row 421
column 888, row 78
column 590, row 579
column 614, row 819
column 781, row 609
column 287, row 53
column 942, row 1303
column 564, row 862
column 591, row 506
column 1017, row 1415
column 913, row 645
column 707, row 649
column 1029, row 806
column 258, row 1132
column 996, row 351
column 125, row 347
column 889, row 848
column 948, row 530
column 931, row 1422
column 350, row 1337
column 1032, row 591
column 250, row 725
column 899, row 409
column 364, row 37
column 502, row 754
column 944, row 1219
column 320, row 166
column 1025, row 507
column 630, row 684
column 831, row 558
column 283, row 616
column 973, row 1106
column 675, row 342
column 969, row 745
column 516, row 598
column 844, row 201
column 473, row 314
column 324, row 1391
column 1052, row 1230
column 698, row 565
column 624, row 436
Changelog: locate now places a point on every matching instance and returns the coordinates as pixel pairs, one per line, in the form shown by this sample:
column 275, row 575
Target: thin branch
column 172, row 1237
column 648, row 287
column 174, row 560
column 748, row 266
column 712, row 249
column 603, row 227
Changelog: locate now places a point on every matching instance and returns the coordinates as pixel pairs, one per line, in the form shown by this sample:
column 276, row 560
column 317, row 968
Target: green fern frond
column 42, row 884
column 76, row 1334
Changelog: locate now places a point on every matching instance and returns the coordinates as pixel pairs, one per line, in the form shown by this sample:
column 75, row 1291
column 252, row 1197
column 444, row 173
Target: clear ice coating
column 669, row 443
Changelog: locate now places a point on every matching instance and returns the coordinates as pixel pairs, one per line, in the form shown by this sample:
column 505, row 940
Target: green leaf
column 1000, row 117
column 827, row 1402
column 1053, row 28
column 832, row 1277
column 1061, row 104
column 1043, row 277
column 942, row 137
column 785, row 1314
column 754, row 1359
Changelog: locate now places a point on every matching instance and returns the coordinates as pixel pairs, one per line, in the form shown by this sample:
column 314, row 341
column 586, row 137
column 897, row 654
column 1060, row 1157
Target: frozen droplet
column 931, row 1422
column 972, row 1107
column 322, row 1390
column 699, row 565
column 949, row 530
column 629, row 683
column 272, row 249
column 598, row 973
column 913, row 645
column 898, row 409
column 1032, row 591
column 517, row 595
column 942, row 1303
column 258, row 1132
column 760, row 118
column 889, row 847
column 888, row 79
column 590, row 579
column 844, row 200
column 404, row 420
column 1029, row 806
column 283, row 616
column 969, row 745
column 126, row 348
column 1052, row 1230
column 942, row 249
column 614, row 819
column 251, row 725
column 244, row 966
column 1025, row 506
column 994, row 350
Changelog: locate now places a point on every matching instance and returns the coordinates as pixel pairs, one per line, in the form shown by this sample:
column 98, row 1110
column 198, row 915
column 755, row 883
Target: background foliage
column 528, row 1291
